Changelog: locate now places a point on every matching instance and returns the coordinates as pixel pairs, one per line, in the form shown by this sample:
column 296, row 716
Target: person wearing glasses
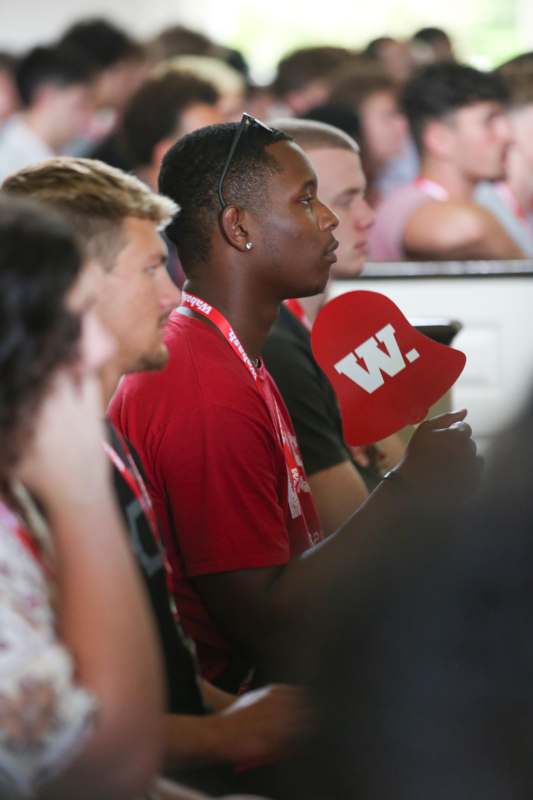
column 238, row 521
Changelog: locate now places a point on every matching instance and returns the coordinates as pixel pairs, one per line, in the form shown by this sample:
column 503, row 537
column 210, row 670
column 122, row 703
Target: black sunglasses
column 246, row 121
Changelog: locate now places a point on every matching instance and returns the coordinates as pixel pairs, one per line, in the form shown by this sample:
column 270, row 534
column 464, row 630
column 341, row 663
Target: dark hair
column 338, row 115
column 60, row 65
column 357, row 80
column 430, row 36
column 301, row 67
column 39, row 263
column 373, row 48
column 154, row 112
column 178, row 40
column 102, row 42
column 190, row 173
column 439, row 89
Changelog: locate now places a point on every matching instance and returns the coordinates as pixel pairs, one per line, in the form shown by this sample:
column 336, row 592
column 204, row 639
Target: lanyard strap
column 209, row 312
column 218, row 319
column 432, row 189
column 133, row 478
column 27, row 540
column 297, row 310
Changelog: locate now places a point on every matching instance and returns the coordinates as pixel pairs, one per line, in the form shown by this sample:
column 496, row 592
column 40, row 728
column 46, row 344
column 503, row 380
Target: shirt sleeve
column 310, row 401
column 227, row 489
column 45, row 718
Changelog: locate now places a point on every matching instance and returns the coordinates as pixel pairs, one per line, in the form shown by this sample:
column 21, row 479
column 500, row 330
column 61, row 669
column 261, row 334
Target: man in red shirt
column 222, row 462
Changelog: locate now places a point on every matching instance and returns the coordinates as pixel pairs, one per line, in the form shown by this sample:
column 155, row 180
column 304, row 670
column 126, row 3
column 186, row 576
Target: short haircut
column 518, row 76
column 302, row 67
column 339, row 116
column 178, row 40
column 102, row 42
column 94, row 197
column 190, row 173
column 154, row 112
column 39, row 262
column 430, row 36
column 357, row 81
column 59, row 65
column 440, row 89
column 313, row 135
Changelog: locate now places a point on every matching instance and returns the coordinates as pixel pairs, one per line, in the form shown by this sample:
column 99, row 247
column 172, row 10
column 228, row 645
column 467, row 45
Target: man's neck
column 249, row 314
column 459, row 187
column 312, row 305
column 110, row 376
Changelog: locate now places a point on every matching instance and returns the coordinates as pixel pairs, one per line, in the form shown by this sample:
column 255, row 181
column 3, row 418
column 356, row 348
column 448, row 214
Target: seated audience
column 372, row 95
column 55, row 85
column 303, row 77
column 162, row 110
column 106, row 206
column 393, row 55
column 457, row 119
column 430, row 45
column 221, row 459
column 120, row 62
column 77, row 640
column 511, row 200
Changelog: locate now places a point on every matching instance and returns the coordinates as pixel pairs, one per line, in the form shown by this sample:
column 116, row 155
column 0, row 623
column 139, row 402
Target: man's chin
column 152, row 362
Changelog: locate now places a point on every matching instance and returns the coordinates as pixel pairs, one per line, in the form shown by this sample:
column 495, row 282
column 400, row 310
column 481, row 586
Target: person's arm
column 337, row 487
column 337, row 491
column 103, row 620
column 257, row 727
column 447, row 231
column 257, row 607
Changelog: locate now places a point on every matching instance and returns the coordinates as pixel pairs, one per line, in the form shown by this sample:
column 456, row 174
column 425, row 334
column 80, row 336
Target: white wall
column 497, row 337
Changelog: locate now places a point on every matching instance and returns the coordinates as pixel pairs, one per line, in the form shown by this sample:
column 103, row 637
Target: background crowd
column 227, row 593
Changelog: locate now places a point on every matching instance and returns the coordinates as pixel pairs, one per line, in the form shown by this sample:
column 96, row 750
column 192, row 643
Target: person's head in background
column 518, row 77
column 165, row 108
column 430, row 45
column 334, row 156
column 227, row 81
column 47, row 317
column 9, row 99
column 55, row 85
column 303, row 77
column 457, row 119
column 367, row 90
column 393, row 55
column 120, row 62
column 117, row 220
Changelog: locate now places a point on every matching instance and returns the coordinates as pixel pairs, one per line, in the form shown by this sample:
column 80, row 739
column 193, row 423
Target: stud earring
column 249, row 245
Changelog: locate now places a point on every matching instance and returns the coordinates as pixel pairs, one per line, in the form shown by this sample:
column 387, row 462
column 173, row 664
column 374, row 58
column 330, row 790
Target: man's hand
column 262, row 725
column 441, row 459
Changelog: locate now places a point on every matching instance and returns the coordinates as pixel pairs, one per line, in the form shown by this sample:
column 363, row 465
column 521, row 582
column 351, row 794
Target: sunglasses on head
column 246, row 122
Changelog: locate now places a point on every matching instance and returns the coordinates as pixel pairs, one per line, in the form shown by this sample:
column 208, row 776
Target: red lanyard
column 133, row 478
column 432, row 189
column 218, row 319
column 296, row 308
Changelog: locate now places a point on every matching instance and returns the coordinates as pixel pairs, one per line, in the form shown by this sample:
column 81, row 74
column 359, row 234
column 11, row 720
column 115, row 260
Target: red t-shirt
column 215, row 470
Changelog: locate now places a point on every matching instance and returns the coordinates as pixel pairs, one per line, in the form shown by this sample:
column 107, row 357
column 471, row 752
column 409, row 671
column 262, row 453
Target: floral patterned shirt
column 45, row 718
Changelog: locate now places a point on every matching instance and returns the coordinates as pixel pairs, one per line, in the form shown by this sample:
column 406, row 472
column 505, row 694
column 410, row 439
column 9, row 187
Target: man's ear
column 234, row 225
column 439, row 138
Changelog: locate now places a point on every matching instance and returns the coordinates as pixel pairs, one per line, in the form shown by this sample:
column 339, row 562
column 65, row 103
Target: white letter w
column 376, row 360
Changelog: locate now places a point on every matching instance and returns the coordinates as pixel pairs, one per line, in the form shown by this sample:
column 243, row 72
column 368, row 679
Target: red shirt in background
column 215, row 470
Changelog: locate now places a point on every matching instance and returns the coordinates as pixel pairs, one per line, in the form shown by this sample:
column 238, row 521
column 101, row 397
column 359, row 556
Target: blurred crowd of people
column 205, row 590
column 97, row 92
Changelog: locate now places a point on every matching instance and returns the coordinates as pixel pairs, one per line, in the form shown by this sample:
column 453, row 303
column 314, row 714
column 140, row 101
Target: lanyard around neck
column 432, row 189
column 211, row 313
column 131, row 475
column 219, row 320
